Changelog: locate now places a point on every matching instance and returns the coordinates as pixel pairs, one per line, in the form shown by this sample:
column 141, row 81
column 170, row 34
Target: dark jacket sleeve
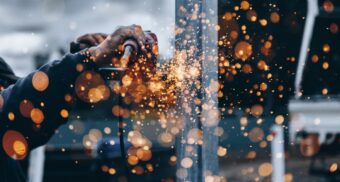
column 7, row 75
column 32, row 112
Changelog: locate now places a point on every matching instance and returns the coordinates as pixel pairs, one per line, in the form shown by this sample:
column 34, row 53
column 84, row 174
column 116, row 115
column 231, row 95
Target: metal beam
column 196, row 50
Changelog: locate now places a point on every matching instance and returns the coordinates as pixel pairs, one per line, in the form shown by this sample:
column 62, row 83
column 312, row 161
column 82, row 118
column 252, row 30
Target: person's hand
column 112, row 46
column 87, row 41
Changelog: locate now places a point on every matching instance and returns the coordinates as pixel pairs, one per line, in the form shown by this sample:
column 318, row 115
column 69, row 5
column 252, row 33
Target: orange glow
column 247, row 69
column 149, row 167
column 105, row 168
column 243, row 50
column 68, row 98
column 64, row 113
column 288, row 177
column 88, row 75
column 37, row 116
column 315, row 58
column 334, row 28
column 138, row 170
column 245, row 5
column 25, row 108
column 117, row 110
column 112, row 171
column 252, row 15
column 143, row 154
column 256, row 134
column 275, row 17
column 328, row 6
column 263, row 22
column 280, row 88
column 181, row 173
column 186, row 162
column 133, row 160
column 166, row 139
column 14, row 144
column 19, row 147
column 324, row 91
column 333, row 167
column 263, row 86
column 265, row 169
column 127, row 80
column 227, row 16
column 79, row 67
column 279, row 119
column 95, row 95
column 256, row 110
column 262, row 65
column 221, row 151
column 325, row 65
column 11, row 116
column 1, row 102
column 326, row 48
column 90, row 87
column 40, row 81
column 267, row 44
column 251, row 155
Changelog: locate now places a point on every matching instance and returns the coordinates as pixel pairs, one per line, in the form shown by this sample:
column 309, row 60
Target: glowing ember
column 265, row 169
column 221, row 151
column 186, row 162
column 40, row 81
column 11, row 116
column 243, row 50
column 37, row 116
column 64, row 113
column 14, row 144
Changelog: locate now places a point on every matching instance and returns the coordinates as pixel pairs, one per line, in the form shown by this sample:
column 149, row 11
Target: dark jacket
column 13, row 111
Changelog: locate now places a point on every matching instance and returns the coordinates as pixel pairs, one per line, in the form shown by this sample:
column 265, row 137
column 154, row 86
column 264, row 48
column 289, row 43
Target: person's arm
column 7, row 75
column 35, row 106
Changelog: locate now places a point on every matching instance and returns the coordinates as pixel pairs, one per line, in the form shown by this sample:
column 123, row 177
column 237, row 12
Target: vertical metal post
column 196, row 47
column 188, row 51
column 210, row 112
column 312, row 12
column 36, row 165
column 277, row 148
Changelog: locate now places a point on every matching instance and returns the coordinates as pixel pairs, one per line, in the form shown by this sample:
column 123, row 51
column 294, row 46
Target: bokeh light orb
column 256, row 134
column 37, row 116
column 40, row 81
column 265, row 169
column 328, row 6
column 275, row 17
column 64, row 113
column 256, row 110
column 91, row 88
column 186, row 162
column 25, row 108
column 15, row 145
column 243, row 50
column 334, row 28
column 133, row 160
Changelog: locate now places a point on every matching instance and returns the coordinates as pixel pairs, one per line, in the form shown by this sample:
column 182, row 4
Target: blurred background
column 46, row 27
column 258, row 85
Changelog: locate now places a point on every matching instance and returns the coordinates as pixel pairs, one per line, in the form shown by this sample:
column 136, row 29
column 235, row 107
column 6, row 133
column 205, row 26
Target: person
column 33, row 107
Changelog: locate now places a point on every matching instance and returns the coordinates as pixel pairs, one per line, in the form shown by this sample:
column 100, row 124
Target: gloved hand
column 103, row 48
column 87, row 41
